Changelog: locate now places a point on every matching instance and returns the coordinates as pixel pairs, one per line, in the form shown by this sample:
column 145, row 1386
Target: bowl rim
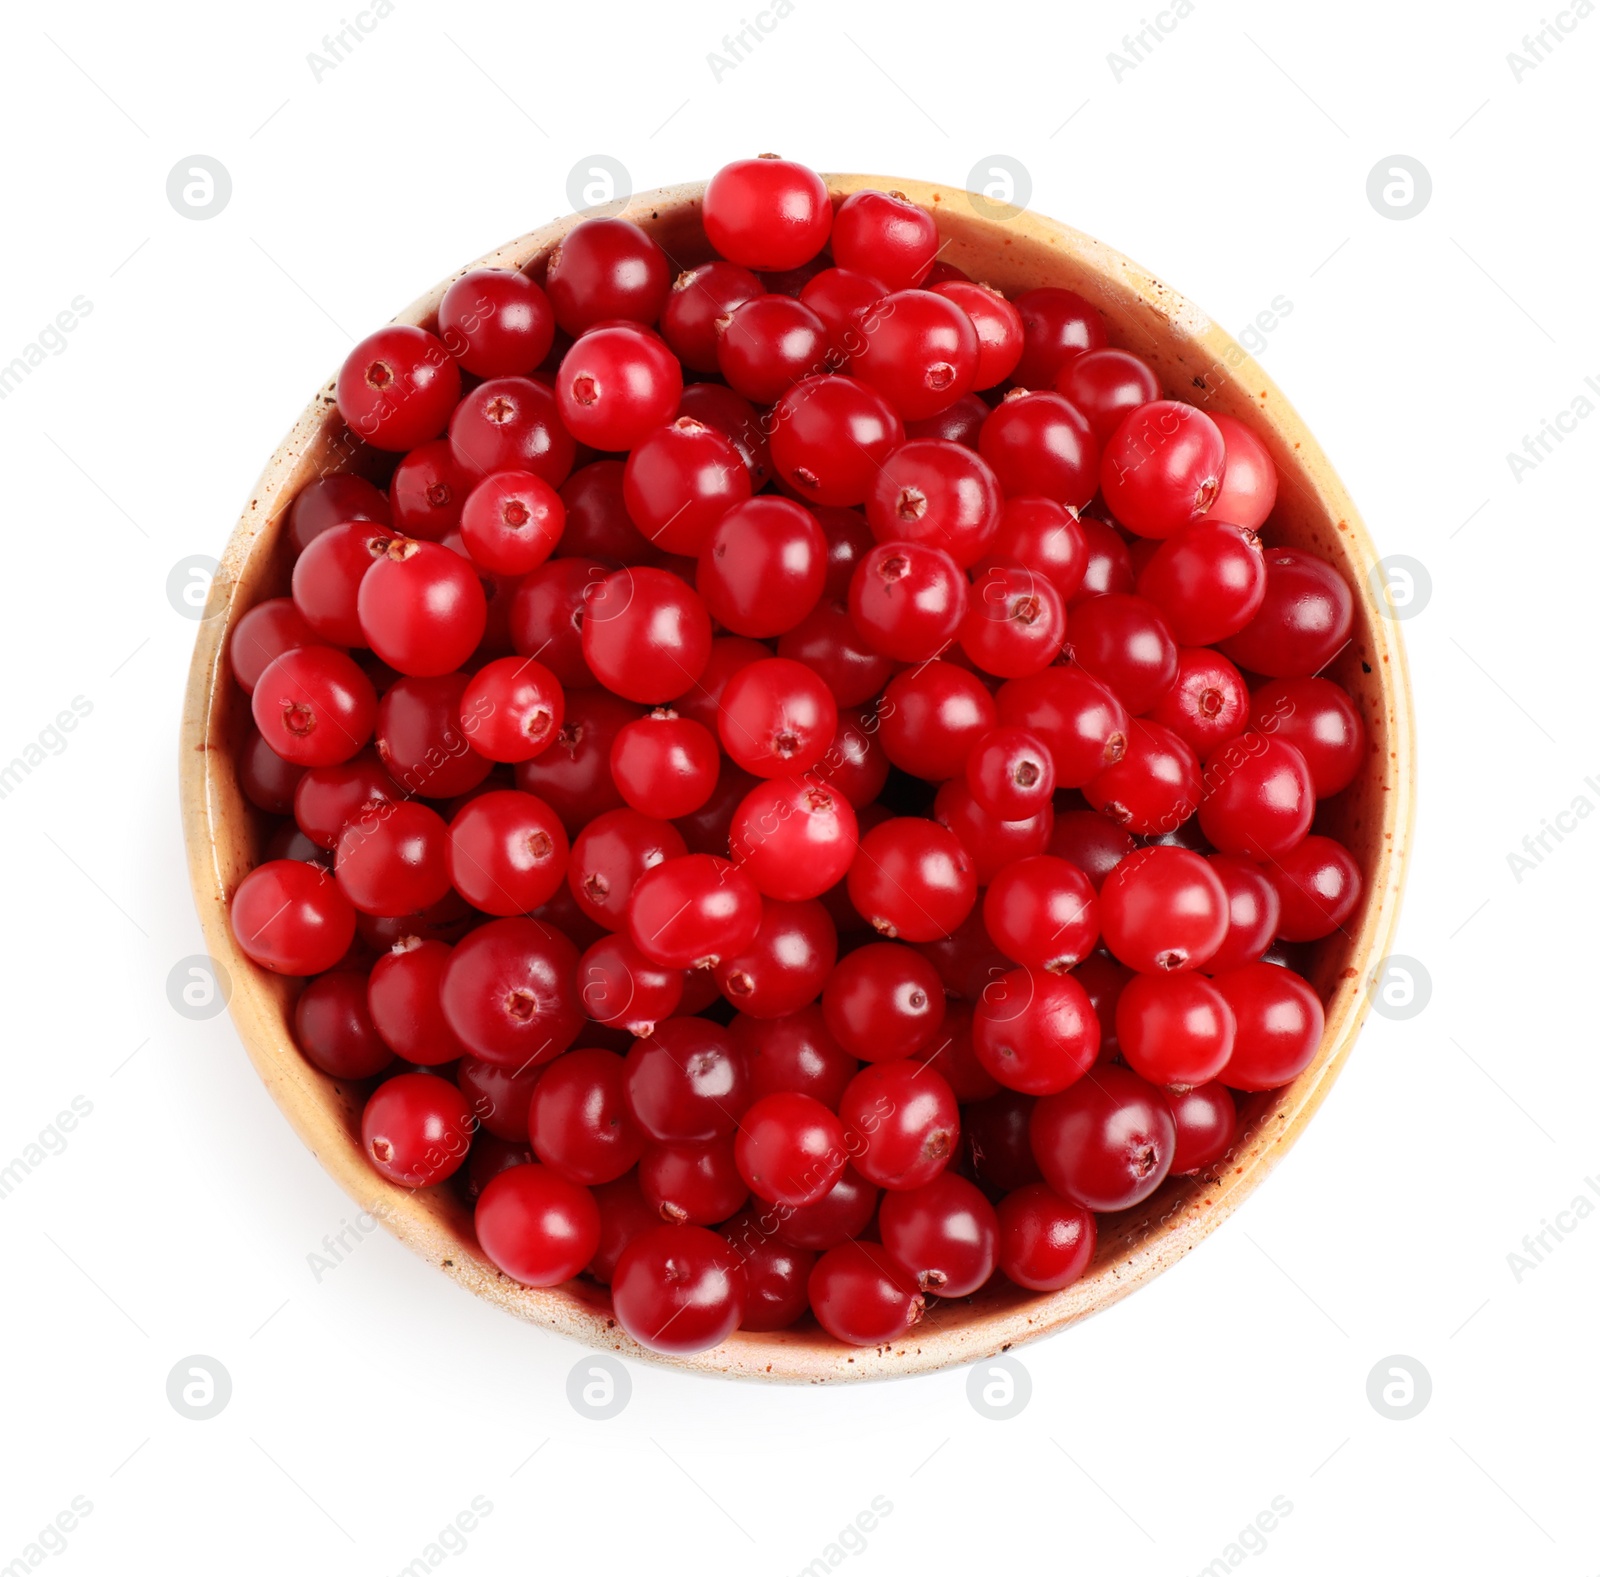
column 433, row 1223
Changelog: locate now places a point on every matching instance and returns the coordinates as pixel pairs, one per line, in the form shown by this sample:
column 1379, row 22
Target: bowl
column 1195, row 361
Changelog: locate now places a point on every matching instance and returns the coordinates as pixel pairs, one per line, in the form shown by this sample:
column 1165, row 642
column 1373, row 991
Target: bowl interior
column 1196, row 362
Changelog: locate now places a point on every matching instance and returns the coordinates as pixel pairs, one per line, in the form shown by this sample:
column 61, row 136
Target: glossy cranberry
column 397, row 388
column 416, row 1129
column 606, row 268
column 1010, row 773
column 507, row 852
column 393, row 862
column 1016, row 623
column 1208, row 579
column 886, row 236
column 918, row 350
column 1154, row 789
column 883, row 1002
column 1162, row 468
column 692, row 1184
column 717, row 406
column 574, row 775
column 511, row 424
column 511, row 522
column 854, row 762
column 313, row 706
column 698, row 299
column 908, row 600
column 1304, row 619
column 769, row 344
column 499, row 1097
column 960, row 423
column 828, row 642
column 1259, row 797
column 912, row 879
column 1174, row 1029
column 664, row 763
column 848, row 537
column 679, row 1289
column 767, row 213
column 1320, row 721
column 1279, row 1026
column 775, row 1274
column 264, row 633
column 1253, row 913
column 1110, row 564
column 1106, row 385
column 1107, row 1143
column 790, row 1149
column 334, row 1029
column 1207, row 703
column 1319, row 885
column 1057, row 326
column 841, row 1214
column 997, row 1144
column 1126, row 642
column 619, row 986
column 998, row 325
column 578, row 1122
column 943, row 1234
column 496, row 321
column 446, row 921
column 331, row 501
column 609, row 856
column 990, row 843
column 784, row 968
column 420, row 739
column 598, row 526
column 729, row 653
column 537, row 1226
column 1040, row 535
column 616, row 385
column 625, row 1214
column 1045, row 1242
column 901, row 1123
column 427, row 491
column 1163, row 909
column 796, row 1054
column 646, row 635
column 793, row 837
column 512, row 709
column 489, row 1156
column 693, row 911
column 510, row 994
column 422, row 608
column 763, row 567
column 269, row 782
column 1092, row 842
column 1078, row 717
column 1205, row 1120
column 1040, row 445
column 708, row 830
column 776, row 718
column 931, row 717
column 936, row 493
column 1035, row 1032
column 1249, row 479
column 547, row 612
column 1042, row 912
column 404, row 1001
column 839, row 296
column 860, row 1296
column 950, row 1054
column 327, row 580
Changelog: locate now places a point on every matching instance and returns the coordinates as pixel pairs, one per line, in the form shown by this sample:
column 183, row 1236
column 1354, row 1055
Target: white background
column 369, row 1409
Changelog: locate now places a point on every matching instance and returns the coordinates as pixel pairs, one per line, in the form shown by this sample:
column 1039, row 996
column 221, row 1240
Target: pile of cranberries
column 800, row 793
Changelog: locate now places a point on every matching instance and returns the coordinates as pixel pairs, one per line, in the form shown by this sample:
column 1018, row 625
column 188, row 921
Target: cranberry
column 943, row 1234
column 1042, row 912
column 665, row 762
column 314, row 707
column 1010, row 773
column 1057, row 325
column 404, row 1001
column 1253, row 913
column 1163, row 909
column 918, row 350
column 507, row 852
column 769, row 344
column 998, row 325
column 598, row 526
column 1110, row 564
column 625, row 1214
column 934, row 492
column 703, row 700
column 578, row 1122
column 1304, row 620
column 269, row 782
column 680, row 480
column 1154, row 789
column 547, row 616
column 1319, row 885
column 828, row 642
column 854, row 762
column 951, row 1055
column 1205, row 1119
column 617, row 384
column 511, row 424
column 392, row 860
column 709, row 829
column 1041, row 445
column 1016, row 623
column 267, row 631
column 1174, row 1029
column 1079, row 718
column 496, row 321
column 609, row 856
column 1045, row 1242
column 327, row 580
column 795, row 1053
column 860, row 1296
column 784, row 968
column 883, row 1002
column 289, row 917
column 1092, row 842
column 397, row 388
column 777, row 717
column 1162, row 467
column 775, row 1274
column 1320, row 721
column 1208, row 702
column 1035, row 1032
column 717, row 406
column 790, row 1149
column 907, row 600
column 509, row 992
column 1279, row 1025
column 422, row 609
column 416, row 1129
column 830, row 436
column 421, row 741
column 427, row 491
column 793, row 837
column 1107, row 1143
column 646, row 635
column 693, row 911
column 621, row 987
column 839, row 296
column 679, row 1289
column 331, row 501
column 538, row 1227
column 606, row 268
column 1106, row 385
column 1249, row 480
column 1259, row 798
column 1208, row 578
column 997, row 1141
column 767, row 213
column 511, row 522
column 886, row 236
column 699, row 298
column 912, row 879
column 901, row 1123
column 841, row 1214
column 989, row 843
column 334, row 1030
column 1040, row 535
column 574, row 775
column 763, row 566
column 931, row 717
column 499, row 1097
column 960, row 423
